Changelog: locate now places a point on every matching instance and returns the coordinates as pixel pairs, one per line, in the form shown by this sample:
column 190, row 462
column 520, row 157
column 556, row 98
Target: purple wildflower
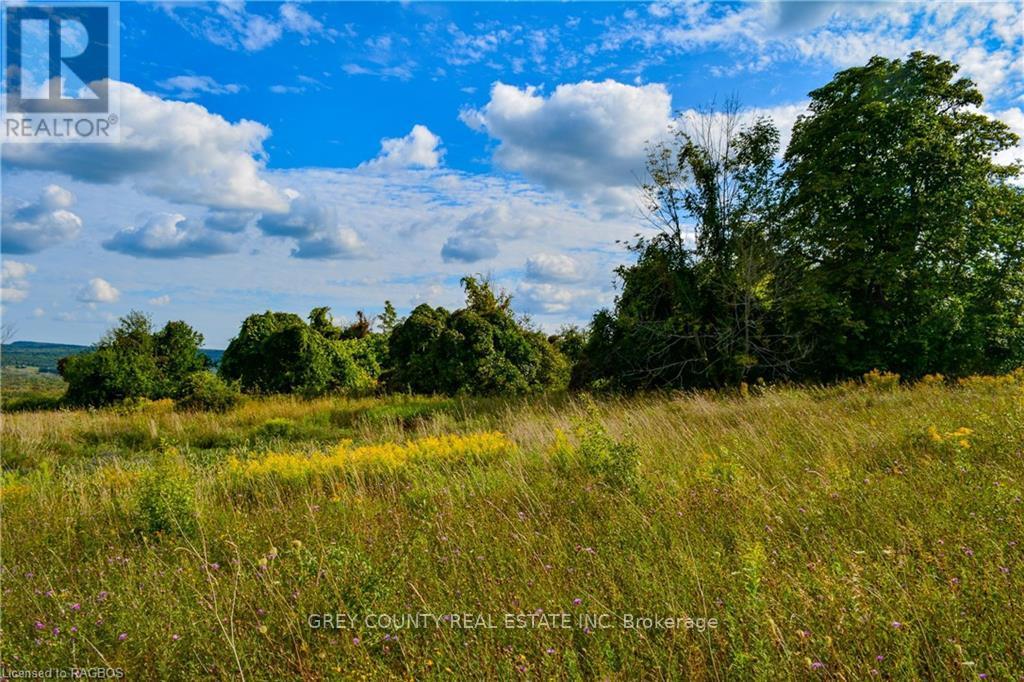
column 123, row 636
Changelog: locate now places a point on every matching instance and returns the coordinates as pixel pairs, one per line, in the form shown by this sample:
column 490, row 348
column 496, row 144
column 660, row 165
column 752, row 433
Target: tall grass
column 847, row 532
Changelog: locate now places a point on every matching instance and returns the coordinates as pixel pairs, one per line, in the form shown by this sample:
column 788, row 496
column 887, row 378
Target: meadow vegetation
column 795, row 506
column 867, row 529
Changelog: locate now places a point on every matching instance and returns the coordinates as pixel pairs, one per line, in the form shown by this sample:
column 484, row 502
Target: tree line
column 482, row 348
column 884, row 236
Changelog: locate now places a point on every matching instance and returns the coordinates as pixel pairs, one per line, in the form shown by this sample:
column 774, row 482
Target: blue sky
column 290, row 155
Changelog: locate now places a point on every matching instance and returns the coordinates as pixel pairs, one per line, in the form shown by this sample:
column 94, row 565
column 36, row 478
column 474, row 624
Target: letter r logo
column 57, row 59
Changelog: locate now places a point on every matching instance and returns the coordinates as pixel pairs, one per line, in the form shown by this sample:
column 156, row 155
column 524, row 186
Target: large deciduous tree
column 907, row 234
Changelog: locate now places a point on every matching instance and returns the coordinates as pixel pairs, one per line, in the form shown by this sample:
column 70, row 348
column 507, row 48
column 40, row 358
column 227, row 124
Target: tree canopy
column 131, row 361
column 887, row 237
column 908, row 237
column 479, row 349
column 280, row 353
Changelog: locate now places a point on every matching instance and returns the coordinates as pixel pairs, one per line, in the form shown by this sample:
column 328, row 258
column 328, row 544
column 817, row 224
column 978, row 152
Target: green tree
column 698, row 307
column 479, row 349
column 130, row 361
column 413, row 363
column 177, row 352
column 245, row 359
column 322, row 322
column 388, row 319
column 908, row 238
column 123, row 365
column 280, row 353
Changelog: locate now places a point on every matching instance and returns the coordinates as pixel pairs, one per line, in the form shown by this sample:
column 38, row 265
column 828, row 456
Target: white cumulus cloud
column 337, row 242
column 419, row 149
column 171, row 235
column 14, row 281
column 545, row 298
column 479, row 235
column 29, row 227
column 98, row 290
column 177, row 151
column 553, row 267
column 587, row 138
column 316, row 226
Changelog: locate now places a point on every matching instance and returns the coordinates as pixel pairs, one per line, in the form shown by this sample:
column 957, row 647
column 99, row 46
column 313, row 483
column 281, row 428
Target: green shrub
column 142, row 405
column 166, row 500
column 280, row 353
column 207, row 391
column 481, row 349
column 278, row 427
column 615, row 463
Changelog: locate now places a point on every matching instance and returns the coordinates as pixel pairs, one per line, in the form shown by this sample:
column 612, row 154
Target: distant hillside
column 44, row 356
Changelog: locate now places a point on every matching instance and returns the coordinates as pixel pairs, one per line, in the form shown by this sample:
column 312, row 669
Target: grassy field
column 28, row 388
column 847, row 532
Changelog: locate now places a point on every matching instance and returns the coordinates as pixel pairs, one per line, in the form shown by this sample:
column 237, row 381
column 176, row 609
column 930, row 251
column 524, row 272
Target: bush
column 166, row 501
column 207, row 391
column 143, row 406
column 278, row 427
column 480, row 349
column 280, row 353
column 616, row 464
